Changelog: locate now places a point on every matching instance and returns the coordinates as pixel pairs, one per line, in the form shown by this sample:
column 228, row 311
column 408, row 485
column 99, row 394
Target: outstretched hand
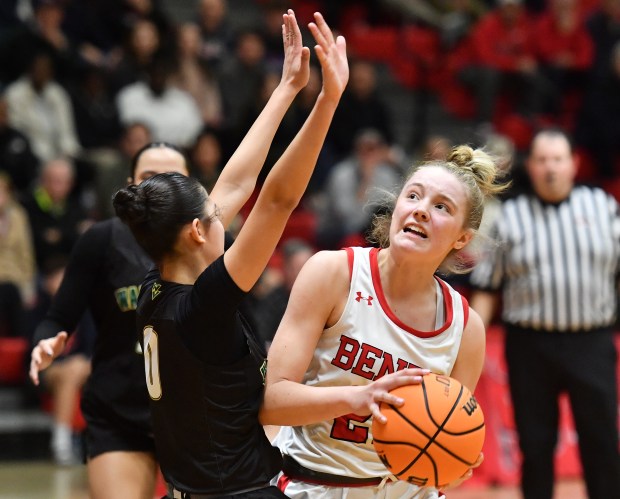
column 296, row 69
column 370, row 396
column 332, row 54
column 44, row 353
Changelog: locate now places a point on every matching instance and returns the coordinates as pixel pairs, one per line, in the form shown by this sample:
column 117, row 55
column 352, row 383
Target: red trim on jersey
column 283, row 482
column 285, row 479
column 350, row 258
column 376, row 281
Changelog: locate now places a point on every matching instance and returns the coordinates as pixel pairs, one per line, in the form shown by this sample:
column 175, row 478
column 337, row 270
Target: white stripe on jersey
column 367, row 342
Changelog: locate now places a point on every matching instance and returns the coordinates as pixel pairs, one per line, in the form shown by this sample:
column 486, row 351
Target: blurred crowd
column 85, row 84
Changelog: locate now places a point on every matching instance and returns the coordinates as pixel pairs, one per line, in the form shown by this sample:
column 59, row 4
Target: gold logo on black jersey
column 263, row 370
column 155, row 290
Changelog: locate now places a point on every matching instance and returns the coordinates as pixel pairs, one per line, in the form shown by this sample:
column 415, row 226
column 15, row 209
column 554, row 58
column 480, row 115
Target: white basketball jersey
column 367, row 342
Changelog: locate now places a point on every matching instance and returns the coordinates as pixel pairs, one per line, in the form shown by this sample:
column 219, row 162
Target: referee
column 555, row 261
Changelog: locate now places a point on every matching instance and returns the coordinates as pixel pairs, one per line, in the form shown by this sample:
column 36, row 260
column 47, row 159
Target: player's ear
column 463, row 241
column 196, row 231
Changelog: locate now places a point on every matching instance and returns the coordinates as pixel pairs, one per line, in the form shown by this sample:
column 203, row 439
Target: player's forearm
column 289, row 177
column 248, row 159
column 288, row 403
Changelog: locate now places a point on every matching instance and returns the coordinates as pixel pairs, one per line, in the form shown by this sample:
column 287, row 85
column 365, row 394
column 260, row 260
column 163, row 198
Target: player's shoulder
column 103, row 227
column 326, row 266
column 328, row 260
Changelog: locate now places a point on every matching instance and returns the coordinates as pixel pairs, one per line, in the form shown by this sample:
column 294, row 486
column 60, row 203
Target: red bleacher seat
column 375, row 44
column 301, row 225
column 13, row 352
column 417, row 61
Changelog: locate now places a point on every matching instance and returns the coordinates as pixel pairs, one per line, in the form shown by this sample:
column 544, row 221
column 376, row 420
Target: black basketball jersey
column 205, row 385
column 104, row 274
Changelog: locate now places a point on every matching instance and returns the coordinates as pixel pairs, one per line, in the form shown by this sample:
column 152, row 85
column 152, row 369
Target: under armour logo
column 359, row 298
column 155, row 290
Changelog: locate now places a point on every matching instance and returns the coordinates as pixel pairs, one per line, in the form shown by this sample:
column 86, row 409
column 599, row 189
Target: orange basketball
column 435, row 436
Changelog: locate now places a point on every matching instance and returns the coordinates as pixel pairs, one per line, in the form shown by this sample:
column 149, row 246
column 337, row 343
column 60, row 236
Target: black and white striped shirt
column 556, row 264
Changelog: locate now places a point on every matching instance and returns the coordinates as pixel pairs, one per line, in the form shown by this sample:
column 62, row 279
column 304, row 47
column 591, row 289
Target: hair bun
column 462, row 156
column 130, row 205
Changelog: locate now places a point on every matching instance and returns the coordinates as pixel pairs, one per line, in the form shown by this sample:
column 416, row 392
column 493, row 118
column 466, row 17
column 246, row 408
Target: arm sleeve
column 81, row 275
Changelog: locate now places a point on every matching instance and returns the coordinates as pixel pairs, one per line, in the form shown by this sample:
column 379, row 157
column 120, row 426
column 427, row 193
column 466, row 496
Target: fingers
column 323, row 29
column 377, row 414
column 294, row 24
column 34, row 367
column 291, row 34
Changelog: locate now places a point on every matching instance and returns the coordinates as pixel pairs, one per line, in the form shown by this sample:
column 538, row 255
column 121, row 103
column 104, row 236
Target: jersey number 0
column 151, row 362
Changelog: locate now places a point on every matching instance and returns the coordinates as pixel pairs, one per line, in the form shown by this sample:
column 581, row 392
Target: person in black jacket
column 204, row 367
column 104, row 275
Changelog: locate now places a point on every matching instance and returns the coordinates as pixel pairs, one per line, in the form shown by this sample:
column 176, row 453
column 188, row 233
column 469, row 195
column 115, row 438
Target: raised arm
column 287, row 180
column 238, row 178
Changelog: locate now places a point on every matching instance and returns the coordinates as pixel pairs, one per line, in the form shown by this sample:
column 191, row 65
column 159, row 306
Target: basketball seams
column 431, row 440
column 411, row 452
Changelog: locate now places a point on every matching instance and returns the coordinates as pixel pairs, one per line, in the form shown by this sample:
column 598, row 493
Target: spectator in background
column 94, row 110
column 353, row 190
column 598, row 127
column 271, row 23
column 113, row 165
column 503, row 63
column 361, row 107
column 42, row 33
column 41, row 109
column 604, row 28
column 133, row 11
column 16, row 157
column 99, row 130
column 555, row 266
column 141, row 46
column 170, row 113
column 206, row 158
column 57, row 218
column 195, row 77
column 65, row 377
column 17, row 263
column 241, row 80
column 268, row 309
column 215, row 32
column 565, row 51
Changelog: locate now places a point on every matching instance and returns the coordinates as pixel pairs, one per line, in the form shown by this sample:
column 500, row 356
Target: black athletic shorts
column 265, row 493
column 102, row 436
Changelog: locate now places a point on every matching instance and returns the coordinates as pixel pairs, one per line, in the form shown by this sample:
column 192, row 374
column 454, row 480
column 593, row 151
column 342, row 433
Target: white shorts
column 298, row 489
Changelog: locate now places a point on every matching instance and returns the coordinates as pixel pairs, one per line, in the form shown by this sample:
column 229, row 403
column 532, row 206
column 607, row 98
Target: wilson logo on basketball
column 470, row 406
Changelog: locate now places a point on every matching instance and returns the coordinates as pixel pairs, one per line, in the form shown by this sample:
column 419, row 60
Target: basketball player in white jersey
column 362, row 321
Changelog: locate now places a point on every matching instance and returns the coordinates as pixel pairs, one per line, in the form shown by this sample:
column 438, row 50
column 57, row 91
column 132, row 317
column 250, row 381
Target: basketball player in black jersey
column 104, row 275
column 204, row 370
